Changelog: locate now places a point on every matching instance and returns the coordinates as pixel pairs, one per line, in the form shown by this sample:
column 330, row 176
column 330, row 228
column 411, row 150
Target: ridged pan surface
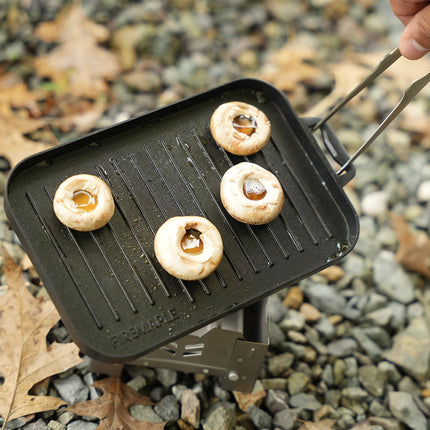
column 113, row 296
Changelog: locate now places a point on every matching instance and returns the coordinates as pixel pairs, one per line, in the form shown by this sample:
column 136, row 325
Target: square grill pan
column 113, row 296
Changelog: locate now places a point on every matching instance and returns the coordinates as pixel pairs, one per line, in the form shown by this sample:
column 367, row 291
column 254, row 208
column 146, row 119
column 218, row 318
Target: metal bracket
column 233, row 348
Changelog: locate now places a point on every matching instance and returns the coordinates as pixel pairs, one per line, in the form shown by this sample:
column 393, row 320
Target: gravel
column 351, row 345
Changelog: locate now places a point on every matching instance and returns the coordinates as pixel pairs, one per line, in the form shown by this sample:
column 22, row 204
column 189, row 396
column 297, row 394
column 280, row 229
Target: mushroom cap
column 234, row 141
column 239, row 206
column 74, row 217
column 177, row 262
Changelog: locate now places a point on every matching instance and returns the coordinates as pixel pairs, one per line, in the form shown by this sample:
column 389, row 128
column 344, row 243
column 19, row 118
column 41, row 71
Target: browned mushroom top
column 240, row 128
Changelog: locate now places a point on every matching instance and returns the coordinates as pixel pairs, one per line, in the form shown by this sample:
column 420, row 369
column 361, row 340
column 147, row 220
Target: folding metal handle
column 408, row 95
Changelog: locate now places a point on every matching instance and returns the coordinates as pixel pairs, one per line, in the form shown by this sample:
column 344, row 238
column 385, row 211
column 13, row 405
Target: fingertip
column 412, row 50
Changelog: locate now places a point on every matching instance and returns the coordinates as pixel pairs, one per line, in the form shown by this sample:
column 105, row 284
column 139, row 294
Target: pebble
column 260, row 418
column 310, row 313
column 404, row 408
column 297, row 383
column 190, row 408
column 279, row 364
column 221, row 418
column 294, row 298
column 145, row 413
column 276, row 400
column 168, row 408
column 325, row 298
column 71, row 389
column 411, row 349
column 305, row 401
column 372, row 379
column 391, row 279
column 375, row 204
column 423, row 192
column 81, row 425
column 342, row 347
column 286, row 419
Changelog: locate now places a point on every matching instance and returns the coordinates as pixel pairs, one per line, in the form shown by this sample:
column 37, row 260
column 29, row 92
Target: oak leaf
column 25, row 359
column 413, row 252
column 77, row 64
column 113, row 407
column 14, row 125
column 292, row 65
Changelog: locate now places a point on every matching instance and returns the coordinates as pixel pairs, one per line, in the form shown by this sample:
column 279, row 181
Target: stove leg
column 110, row 369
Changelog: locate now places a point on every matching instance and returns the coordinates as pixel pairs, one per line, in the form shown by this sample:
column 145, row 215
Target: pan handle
column 334, row 147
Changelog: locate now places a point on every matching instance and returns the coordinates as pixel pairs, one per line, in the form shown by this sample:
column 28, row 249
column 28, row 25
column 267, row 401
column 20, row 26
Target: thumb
column 415, row 39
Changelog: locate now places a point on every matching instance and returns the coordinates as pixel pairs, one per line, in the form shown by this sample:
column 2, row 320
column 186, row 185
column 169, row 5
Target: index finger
column 406, row 9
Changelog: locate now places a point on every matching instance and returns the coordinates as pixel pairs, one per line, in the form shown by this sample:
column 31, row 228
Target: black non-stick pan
column 113, row 296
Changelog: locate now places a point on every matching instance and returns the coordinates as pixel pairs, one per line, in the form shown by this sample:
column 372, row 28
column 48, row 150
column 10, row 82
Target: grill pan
column 113, row 296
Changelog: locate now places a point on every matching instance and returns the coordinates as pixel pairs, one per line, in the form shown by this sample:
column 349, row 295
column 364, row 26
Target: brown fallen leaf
column 77, row 62
column 291, row 66
column 244, row 400
column 413, row 252
column 113, row 407
column 18, row 107
column 25, row 359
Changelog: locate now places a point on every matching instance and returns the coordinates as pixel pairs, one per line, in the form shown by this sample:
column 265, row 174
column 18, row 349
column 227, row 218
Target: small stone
column 391, row 279
column 260, row 418
column 325, row 298
column 82, row 425
column 55, row 425
column 391, row 374
column 296, row 336
column 178, row 390
column 168, row 408
column 275, row 309
column 411, row 349
column 294, row 298
column 274, row 383
column 72, row 389
column 145, row 413
column 342, row 347
column 310, row 313
column 297, row 383
column 38, row 425
column 333, row 273
column 305, row 401
column 276, row 401
column 375, row 204
column 279, row 364
column 167, row 377
column 294, row 320
column 221, row 418
column 404, row 408
column 325, row 327
column 423, row 192
column 386, row 423
column 190, row 408
column 286, row 419
column 137, row 383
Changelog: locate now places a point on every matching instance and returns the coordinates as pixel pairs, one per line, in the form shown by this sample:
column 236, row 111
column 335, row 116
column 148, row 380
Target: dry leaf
column 14, row 125
column 413, row 252
column 78, row 61
column 291, row 66
column 244, row 400
column 113, row 407
column 25, row 358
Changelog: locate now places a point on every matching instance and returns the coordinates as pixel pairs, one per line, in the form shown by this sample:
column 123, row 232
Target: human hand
column 415, row 15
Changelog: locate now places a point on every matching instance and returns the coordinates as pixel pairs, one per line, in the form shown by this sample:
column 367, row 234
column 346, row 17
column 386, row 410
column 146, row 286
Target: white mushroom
column 188, row 247
column 251, row 194
column 240, row 128
column 84, row 203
